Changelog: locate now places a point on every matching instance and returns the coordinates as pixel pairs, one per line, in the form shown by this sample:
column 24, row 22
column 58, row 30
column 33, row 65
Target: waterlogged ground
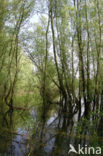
column 22, row 134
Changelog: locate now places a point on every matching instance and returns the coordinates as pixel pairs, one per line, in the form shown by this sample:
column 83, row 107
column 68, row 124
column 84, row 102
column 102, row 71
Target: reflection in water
column 21, row 133
column 14, row 133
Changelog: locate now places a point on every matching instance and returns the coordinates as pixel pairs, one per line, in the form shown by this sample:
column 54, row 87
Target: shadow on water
column 22, row 134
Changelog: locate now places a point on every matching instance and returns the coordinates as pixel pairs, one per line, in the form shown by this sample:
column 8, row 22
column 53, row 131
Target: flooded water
column 22, row 134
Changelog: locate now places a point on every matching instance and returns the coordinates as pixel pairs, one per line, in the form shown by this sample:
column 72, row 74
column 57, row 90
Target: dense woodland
column 51, row 61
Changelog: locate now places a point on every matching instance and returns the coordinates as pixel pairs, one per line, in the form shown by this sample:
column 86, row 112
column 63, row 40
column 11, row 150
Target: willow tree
column 13, row 15
column 75, row 46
